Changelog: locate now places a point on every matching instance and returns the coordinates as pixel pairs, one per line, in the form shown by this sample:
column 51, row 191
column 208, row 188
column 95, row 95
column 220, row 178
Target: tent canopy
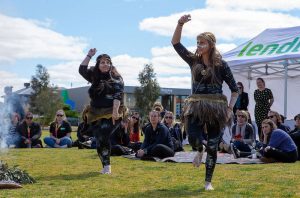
column 273, row 55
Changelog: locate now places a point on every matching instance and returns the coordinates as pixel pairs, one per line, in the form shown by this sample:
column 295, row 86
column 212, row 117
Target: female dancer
column 207, row 110
column 106, row 93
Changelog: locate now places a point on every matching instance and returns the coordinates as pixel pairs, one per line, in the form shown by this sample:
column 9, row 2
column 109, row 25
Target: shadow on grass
column 179, row 191
column 80, row 176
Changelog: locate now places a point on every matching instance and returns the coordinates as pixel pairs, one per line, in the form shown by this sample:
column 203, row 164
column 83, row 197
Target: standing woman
column 263, row 101
column 242, row 101
column 208, row 109
column 106, row 93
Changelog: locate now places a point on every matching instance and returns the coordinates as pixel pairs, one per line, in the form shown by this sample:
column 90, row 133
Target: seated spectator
column 13, row 137
column 276, row 118
column 157, row 142
column 85, row 135
column 134, row 127
column 243, row 135
column 174, row 130
column 119, row 140
column 277, row 144
column 60, row 132
column 295, row 133
column 157, row 106
column 30, row 133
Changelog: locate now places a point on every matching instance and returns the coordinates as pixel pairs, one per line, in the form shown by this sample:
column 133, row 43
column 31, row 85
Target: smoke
column 5, row 124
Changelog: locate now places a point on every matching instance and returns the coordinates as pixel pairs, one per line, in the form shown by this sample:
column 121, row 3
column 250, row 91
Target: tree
column 148, row 92
column 69, row 112
column 45, row 100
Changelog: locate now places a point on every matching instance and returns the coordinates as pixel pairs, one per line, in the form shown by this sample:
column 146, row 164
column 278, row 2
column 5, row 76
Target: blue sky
column 58, row 34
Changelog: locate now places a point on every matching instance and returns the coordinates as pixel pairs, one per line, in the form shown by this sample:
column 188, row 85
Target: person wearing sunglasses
column 278, row 146
column 134, row 127
column 60, row 132
column 276, row 118
column 207, row 107
column 242, row 101
column 30, row 132
column 174, row 129
column 243, row 136
column 105, row 111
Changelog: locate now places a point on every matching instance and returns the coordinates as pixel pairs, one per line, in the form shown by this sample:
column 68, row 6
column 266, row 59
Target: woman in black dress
column 263, row 101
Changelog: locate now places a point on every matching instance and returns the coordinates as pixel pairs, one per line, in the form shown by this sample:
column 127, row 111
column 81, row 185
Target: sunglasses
column 29, row 118
column 135, row 118
column 239, row 87
column 271, row 116
column 168, row 117
column 59, row 115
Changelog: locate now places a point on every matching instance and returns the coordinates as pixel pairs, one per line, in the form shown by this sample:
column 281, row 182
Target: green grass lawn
column 75, row 173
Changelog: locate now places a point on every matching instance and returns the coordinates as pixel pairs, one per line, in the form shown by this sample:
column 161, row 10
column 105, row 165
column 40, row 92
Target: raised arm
column 177, row 33
column 88, row 57
column 83, row 68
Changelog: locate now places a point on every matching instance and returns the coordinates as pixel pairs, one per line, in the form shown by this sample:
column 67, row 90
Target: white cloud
column 129, row 67
column 226, row 24
column 175, row 82
column 278, row 5
column 21, row 39
column 65, row 73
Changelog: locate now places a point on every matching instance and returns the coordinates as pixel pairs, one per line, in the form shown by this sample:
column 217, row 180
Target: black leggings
column 281, row 156
column 102, row 130
column 196, row 134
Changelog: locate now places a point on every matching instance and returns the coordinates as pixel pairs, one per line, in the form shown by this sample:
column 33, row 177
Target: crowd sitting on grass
column 163, row 136
column 279, row 144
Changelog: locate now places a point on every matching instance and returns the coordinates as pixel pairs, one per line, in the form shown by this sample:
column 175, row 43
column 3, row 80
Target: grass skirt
column 207, row 109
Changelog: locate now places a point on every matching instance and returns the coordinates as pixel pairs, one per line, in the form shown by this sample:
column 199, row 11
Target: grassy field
column 75, row 173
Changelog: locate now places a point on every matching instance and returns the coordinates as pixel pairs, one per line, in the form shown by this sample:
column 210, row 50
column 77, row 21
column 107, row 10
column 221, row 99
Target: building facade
column 172, row 99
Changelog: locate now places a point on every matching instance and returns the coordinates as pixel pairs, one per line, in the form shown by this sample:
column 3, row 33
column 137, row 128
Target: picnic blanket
column 188, row 156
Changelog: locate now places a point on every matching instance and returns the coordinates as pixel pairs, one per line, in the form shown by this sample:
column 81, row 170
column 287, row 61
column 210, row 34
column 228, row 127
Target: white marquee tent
column 273, row 55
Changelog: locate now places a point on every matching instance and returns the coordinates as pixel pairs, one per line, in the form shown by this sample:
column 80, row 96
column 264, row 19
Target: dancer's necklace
column 204, row 70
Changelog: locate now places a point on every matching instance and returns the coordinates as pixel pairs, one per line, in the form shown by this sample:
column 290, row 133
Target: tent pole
column 285, row 64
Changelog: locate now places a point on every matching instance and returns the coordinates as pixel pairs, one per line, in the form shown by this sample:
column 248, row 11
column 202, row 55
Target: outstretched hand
column 184, row 19
column 92, row 52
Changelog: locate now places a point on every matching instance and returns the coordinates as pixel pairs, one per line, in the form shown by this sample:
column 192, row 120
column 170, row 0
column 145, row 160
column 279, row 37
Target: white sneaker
column 106, row 170
column 208, row 186
column 198, row 159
